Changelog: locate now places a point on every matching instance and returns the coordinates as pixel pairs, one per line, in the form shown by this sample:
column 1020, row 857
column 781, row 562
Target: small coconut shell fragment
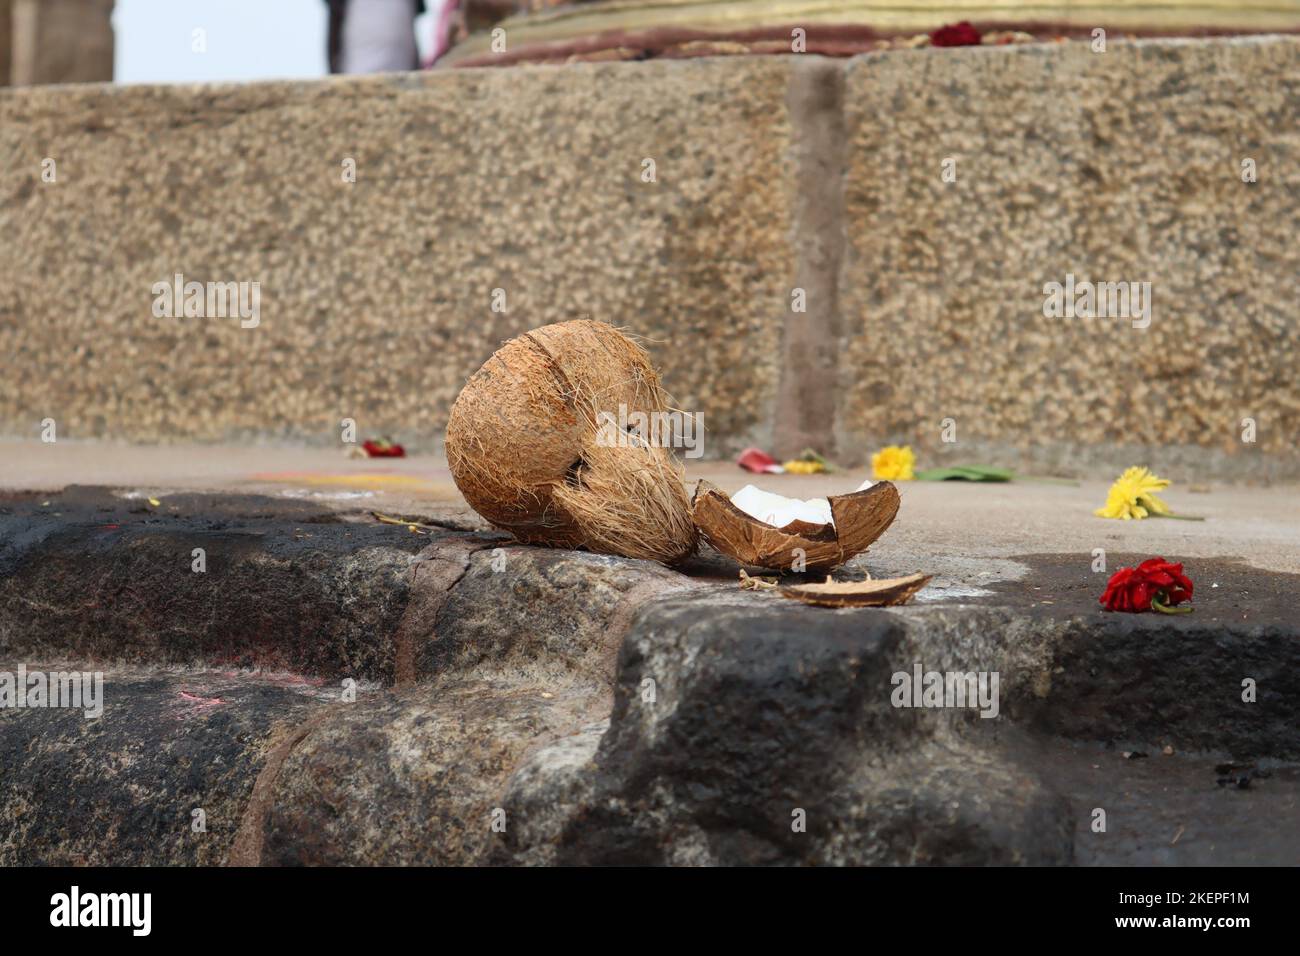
column 884, row 592
column 859, row 519
column 748, row 583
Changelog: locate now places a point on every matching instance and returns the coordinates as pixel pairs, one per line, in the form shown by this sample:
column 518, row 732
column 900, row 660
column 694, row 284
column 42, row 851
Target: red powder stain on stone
column 294, row 680
column 201, row 704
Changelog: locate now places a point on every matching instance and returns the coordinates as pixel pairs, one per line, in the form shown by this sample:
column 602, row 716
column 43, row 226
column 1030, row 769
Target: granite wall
column 485, row 202
column 1129, row 166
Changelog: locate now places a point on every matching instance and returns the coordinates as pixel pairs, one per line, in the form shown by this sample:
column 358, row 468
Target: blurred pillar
column 484, row 14
column 61, row 41
column 6, row 42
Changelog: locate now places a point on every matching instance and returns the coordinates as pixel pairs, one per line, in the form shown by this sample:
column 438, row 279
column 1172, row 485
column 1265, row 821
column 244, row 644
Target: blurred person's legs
column 378, row 36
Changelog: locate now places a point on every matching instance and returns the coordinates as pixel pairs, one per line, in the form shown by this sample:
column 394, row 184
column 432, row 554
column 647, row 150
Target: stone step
column 560, row 707
column 204, row 767
column 124, row 787
column 291, row 586
column 605, row 29
column 727, row 726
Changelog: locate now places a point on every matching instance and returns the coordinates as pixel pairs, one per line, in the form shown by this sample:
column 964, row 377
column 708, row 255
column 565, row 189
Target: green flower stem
column 1163, row 609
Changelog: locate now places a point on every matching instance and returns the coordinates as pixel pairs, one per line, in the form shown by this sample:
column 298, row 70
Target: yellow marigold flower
column 1133, row 496
column 801, row 467
column 893, row 463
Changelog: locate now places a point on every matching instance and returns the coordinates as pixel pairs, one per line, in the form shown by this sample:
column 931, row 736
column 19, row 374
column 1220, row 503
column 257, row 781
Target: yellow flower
column 1133, row 496
column 893, row 463
column 801, row 467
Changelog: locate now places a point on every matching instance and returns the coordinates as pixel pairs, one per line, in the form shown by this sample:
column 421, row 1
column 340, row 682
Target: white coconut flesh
column 778, row 510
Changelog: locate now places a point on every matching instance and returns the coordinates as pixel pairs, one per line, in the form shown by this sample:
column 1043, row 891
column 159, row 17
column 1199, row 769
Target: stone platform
column 332, row 689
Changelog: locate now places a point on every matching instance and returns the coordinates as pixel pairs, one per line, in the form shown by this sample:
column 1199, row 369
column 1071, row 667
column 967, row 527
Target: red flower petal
column 383, row 449
column 757, row 460
column 956, row 34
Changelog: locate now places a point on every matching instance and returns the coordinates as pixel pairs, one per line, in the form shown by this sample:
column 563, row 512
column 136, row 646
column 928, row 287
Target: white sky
column 246, row 39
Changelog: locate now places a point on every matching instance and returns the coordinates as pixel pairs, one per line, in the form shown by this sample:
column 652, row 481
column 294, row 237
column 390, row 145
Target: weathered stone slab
column 735, row 712
column 412, row 777
column 121, row 789
column 1145, row 678
column 531, row 611
column 735, row 715
column 545, row 794
column 513, row 735
column 752, row 734
column 285, row 586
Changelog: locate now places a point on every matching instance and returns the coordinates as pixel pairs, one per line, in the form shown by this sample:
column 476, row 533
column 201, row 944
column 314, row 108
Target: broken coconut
column 855, row 521
column 522, row 444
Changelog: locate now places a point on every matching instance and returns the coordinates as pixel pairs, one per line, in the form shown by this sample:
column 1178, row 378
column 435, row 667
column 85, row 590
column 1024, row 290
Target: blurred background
column 69, row 40
column 180, row 41
column 154, row 40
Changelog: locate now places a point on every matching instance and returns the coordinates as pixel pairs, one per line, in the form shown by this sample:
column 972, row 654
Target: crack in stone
column 246, row 850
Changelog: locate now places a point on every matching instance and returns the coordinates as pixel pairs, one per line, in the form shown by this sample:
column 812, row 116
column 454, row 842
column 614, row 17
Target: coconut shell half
column 859, row 519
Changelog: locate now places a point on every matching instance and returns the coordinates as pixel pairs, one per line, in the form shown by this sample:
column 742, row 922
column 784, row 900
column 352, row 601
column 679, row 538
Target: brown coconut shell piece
column 885, row 592
column 859, row 519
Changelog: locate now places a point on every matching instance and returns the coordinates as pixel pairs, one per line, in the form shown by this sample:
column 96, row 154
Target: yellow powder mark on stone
column 361, row 480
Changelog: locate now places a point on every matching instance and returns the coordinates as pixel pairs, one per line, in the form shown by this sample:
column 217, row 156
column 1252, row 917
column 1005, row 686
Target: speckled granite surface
column 376, row 296
column 1123, row 166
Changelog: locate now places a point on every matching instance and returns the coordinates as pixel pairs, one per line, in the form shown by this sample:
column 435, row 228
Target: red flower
column 383, row 448
column 1155, row 584
column 956, row 34
column 757, row 460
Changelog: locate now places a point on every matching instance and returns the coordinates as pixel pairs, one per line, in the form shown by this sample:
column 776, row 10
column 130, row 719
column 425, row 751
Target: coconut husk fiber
column 523, row 450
